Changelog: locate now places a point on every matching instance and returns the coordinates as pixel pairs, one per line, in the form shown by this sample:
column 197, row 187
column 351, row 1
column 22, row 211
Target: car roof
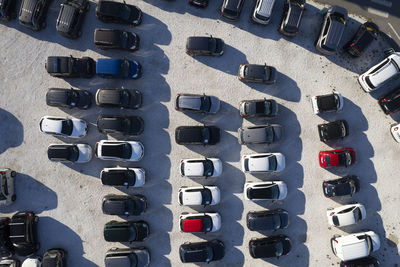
column 58, row 64
column 265, row 221
column 112, row 150
column 199, row 254
column 110, row 123
column 110, row 7
column 293, row 19
column 52, row 126
column 192, row 197
column 353, row 246
column 118, row 177
column 66, row 17
column 265, row 192
column 115, row 206
column 191, row 134
column 334, row 33
column 198, row 42
column 342, row 189
column 194, row 168
column 254, row 70
column 266, row 7
column 260, row 163
column 192, row 225
column 58, row 95
column 257, row 134
column 110, row 66
column 384, row 73
column 109, row 96
column 192, row 102
column 118, row 233
column 232, row 4
column 27, row 10
column 118, row 261
column 327, row 102
column 107, row 36
column 333, row 129
column 58, row 152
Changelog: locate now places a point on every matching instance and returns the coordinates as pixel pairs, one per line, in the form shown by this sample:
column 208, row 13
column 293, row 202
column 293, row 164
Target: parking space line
column 382, row 2
column 378, row 12
column 390, row 25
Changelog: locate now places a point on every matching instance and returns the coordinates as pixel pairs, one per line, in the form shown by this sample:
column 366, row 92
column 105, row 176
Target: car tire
column 13, row 198
column 13, row 173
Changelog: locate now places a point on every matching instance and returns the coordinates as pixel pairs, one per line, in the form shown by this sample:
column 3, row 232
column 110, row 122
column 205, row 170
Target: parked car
column 71, row 16
column 231, row 9
column 7, row 192
column 338, row 157
column 70, row 67
column 258, row 108
column 260, row 134
column 116, row 39
column 6, row 247
column 270, row 247
column 257, row 73
column 119, row 150
column 123, row 176
column 55, row 257
column 332, row 30
column 8, row 9
column 381, row 73
column 346, row 186
column 197, row 135
column 124, row 204
column 395, row 130
column 33, row 262
column 366, row 34
column 23, row 233
column 390, row 103
column 119, row 98
column 197, row 103
column 199, row 195
column 126, row 231
column 263, row 162
column 291, row 17
column 32, row 14
column 204, row 46
column 75, row 153
column 200, row 168
column 9, row 263
column 263, row 11
column 346, row 215
column 199, row 222
column 363, row 262
column 355, row 246
column 199, row 3
column 267, row 220
column 118, row 68
column 269, row 190
column 127, row 257
column 327, row 103
column 68, row 98
column 63, row 127
column 117, row 12
column 205, row 251
column 125, row 125
column 333, row 130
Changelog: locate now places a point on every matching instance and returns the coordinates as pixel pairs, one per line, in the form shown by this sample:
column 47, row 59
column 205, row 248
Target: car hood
column 217, row 167
column 140, row 177
column 215, row 104
column 137, row 151
column 216, row 196
column 376, row 242
column 280, row 159
column 282, row 191
column 216, row 219
column 383, row 74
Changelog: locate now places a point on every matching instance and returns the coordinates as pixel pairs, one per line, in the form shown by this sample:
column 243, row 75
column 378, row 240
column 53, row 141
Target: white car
column 196, row 168
column 346, row 214
column 199, row 195
column 355, row 246
column 75, row 153
column 119, row 150
column 32, row 262
column 395, row 130
column 263, row 162
column 270, row 190
column 123, row 176
column 199, row 222
column 63, row 127
column 376, row 76
column 327, row 103
column 7, row 191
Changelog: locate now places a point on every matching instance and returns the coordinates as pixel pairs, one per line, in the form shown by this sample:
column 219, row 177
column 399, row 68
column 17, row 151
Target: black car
column 68, row 98
column 121, row 98
column 366, row 34
column 231, row 9
column 257, row 73
column 333, row 130
column 258, row 108
column 116, row 39
column 79, row 153
column 127, row 257
column 327, row 103
column 270, row 247
column 6, row 247
column 23, row 233
column 123, row 176
column 55, row 257
column 205, row 251
column 71, row 16
column 197, row 135
column 346, row 186
column 292, row 14
column 199, row 3
column 32, row 13
column 364, row 262
column 117, row 12
column 125, row 125
column 124, row 205
column 390, row 103
column 267, row 220
column 7, row 9
column 126, row 231
column 70, row 67
column 197, row 103
column 204, row 46
column 260, row 134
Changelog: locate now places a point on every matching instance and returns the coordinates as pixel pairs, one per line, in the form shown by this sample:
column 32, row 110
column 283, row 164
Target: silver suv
column 263, row 11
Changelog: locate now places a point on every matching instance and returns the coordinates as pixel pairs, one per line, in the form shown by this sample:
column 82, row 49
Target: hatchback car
column 125, row 125
column 7, row 9
column 118, row 68
column 71, row 16
column 363, row 262
column 258, row 108
column 332, row 30
column 231, row 9
column 32, row 14
column 9, row 263
column 116, row 39
column 381, row 73
column 327, row 103
column 70, row 67
column 126, row 231
column 260, row 134
column 263, row 11
column 63, row 127
column 366, row 34
column 291, row 18
column 119, row 98
column 355, row 246
column 74, row 153
column 339, row 157
column 6, row 247
column 119, row 150
column 271, row 190
column 270, row 247
column 346, row 215
column 124, row 204
column 200, row 168
column 257, row 73
column 333, row 130
column 205, row 251
column 395, row 130
column 117, row 12
column 199, row 3
column 263, row 162
column 267, row 220
column 346, row 186
column 7, row 191
column 204, row 46
column 197, row 103
column 33, row 262
column 390, row 103
column 127, row 257
column 197, row 135
column 199, row 222
column 199, row 195
column 68, row 98
column 123, row 176
column 23, row 233
column 55, row 257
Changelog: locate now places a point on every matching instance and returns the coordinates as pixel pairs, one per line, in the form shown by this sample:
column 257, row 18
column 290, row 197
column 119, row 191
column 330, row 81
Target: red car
column 338, row 157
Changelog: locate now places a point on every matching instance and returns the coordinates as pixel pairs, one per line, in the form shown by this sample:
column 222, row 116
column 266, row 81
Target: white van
column 355, row 246
column 263, row 11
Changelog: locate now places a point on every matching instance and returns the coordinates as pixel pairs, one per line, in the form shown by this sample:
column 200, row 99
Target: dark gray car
column 124, row 205
column 260, row 134
column 122, row 98
column 197, row 103
column 257, row 73
column 267, row 220
column 258, row 108
column 126, row 231
column 127, row 257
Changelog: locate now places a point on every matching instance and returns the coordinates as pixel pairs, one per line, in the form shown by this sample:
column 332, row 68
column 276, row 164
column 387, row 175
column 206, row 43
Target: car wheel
column 13, row 173
column 13, row 198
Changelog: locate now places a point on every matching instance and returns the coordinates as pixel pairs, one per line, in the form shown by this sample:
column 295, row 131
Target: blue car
column 118, row 68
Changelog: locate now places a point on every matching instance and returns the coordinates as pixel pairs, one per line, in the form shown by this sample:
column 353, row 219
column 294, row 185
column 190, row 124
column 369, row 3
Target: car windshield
column 342, row 159
column 124, row 39
column 73, row 97
column 125, row 98
column 206, row 196
column 212, row 44
column 206, row 135
column 125, row 12
column 328, row 160
column 272, row 163
column 246, row 164
column 130, row 206
column 126, row 125
column 277, row 221
column 208, row 168
column 278, row 249
column 207, row 224
column 73, row 154
column 337, row 101
column 67, row 127
column 125, row 68
column 357, row 214
column 126, row 151
column 205, row 103
column 267, row 107
column 210, row 253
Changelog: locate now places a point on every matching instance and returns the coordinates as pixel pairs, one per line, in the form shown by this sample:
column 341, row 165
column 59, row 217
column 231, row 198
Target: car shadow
column 11, row 132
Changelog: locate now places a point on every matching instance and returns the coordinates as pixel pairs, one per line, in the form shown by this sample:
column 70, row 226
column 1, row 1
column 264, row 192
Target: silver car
column 7, row 193
column 260, row 134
